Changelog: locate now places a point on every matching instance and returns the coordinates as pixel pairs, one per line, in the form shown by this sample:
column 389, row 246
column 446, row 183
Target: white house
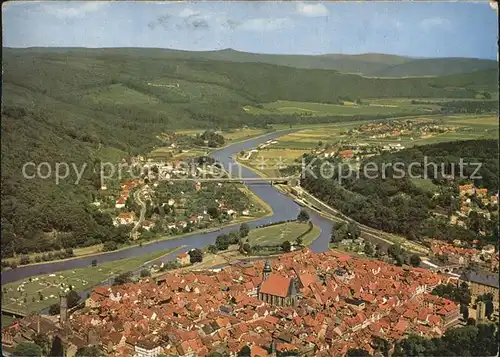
column 147, row 349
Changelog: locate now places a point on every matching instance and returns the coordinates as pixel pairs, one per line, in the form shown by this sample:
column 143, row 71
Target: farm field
column 471, row 127
column 268, row 161
column 81, row 280
column 279, row 233
column 242, row 134
column 367, row 107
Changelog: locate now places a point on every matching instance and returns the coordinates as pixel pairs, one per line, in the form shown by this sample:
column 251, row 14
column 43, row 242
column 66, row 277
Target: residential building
column 183, row 259
column 147, row 348
column 125, row 218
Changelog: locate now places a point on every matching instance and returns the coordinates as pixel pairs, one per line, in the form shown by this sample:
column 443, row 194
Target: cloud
column 264, row 24
column 312, row 10
column 74, row 11
column 187, row 12
column 435, row 22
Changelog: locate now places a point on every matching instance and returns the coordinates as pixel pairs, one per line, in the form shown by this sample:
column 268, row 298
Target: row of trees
column 481, row 340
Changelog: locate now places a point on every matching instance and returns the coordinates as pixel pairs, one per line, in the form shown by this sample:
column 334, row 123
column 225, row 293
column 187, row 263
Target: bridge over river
column 284, row 208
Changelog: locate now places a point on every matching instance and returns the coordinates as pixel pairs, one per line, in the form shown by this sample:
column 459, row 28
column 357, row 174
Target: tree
column 357, row 352
column 90, row 351
column 368, row 248
column 222, row 242
column 26, row 349
column 145, row 273
column 379, row 250
column 415, row 260
column 212, row 248
column 195, row 256
column 303, row 216
column 464, row 311
column 247, row 248
column 244, row 230
column 54, row 309
column 286, row 246
column 353, row 231
column 43, row 341
column 123, row 278
column 245, row 352
column 213, row 211
column 109, row 246
column 72, row 298
column 339, row 232
column 299, row 241
column 488, row 303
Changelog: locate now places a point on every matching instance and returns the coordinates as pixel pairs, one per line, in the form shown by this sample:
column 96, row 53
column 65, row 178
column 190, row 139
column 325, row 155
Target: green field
column 368, row 107
column 469, row 127
column 425, row 184
column 81, row 280
column 275, row 235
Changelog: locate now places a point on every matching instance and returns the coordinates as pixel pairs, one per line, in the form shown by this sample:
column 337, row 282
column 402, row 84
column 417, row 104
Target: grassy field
column 388, row 106
column 268, row 161
column 242, row 134
column 279, row 233
column 469, row 127
column 81, row 280
column 425, row 184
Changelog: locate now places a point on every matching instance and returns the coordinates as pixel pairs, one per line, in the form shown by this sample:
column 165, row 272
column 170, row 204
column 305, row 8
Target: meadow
column 277, row 234
column 28, row 299
column 348, row 108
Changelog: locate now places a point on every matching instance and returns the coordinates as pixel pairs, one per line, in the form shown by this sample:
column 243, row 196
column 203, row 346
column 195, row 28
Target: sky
column 417, row 29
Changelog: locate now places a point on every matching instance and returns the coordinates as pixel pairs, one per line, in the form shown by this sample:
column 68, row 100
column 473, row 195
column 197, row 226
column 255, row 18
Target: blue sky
column 420, row 29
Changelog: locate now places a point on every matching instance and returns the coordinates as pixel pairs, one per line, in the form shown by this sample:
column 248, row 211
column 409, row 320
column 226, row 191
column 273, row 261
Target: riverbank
column 330, row 213
column 36, row 294
column 96, row 250
column 283, row 208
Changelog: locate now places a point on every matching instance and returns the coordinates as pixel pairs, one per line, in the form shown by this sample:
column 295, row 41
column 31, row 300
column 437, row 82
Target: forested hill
column 367, row 64
column 80, row 104
column 386, row 200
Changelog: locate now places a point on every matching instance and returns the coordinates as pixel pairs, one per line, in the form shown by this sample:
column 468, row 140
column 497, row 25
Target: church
column 277, row 289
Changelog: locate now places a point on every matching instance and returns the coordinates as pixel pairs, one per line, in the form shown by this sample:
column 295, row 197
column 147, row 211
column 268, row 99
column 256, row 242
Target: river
column 284, row 208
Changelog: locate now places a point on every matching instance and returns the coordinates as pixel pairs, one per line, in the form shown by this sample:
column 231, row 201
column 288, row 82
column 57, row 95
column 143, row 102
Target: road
column 139, row 198
column 375, row 235
column 284, row 208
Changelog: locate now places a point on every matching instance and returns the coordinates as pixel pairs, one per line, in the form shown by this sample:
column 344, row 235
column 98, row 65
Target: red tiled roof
column 307, row 279
column 275, row 285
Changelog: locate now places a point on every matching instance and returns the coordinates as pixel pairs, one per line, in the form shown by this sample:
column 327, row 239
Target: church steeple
column 267, row 270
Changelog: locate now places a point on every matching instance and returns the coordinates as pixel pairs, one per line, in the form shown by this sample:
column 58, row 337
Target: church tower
column 267, row 270
column 63, row 313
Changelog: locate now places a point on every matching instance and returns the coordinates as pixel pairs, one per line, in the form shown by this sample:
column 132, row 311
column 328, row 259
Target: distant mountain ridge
column 367, row 64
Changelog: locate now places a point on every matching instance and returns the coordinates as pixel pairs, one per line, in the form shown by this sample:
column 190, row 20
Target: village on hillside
column 172, row 205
